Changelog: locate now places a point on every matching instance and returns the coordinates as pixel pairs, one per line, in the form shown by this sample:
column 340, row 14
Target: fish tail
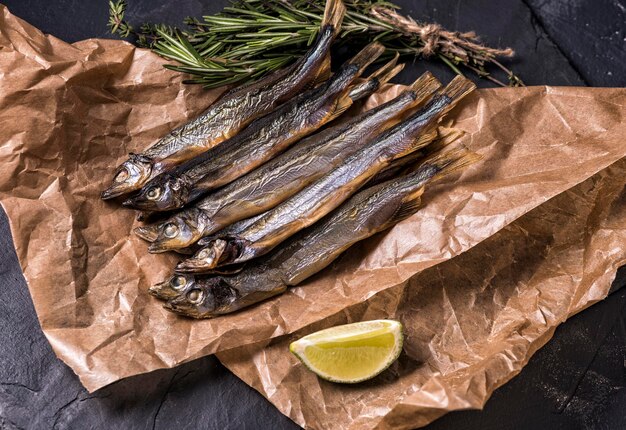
column 445, row 100
column 424, row 87
column 367, row 56
column 388, row 71
column 423, row 140
column 458, row 88
column 333, row 15
column 376, row 80
column 445, row 137
column 448, row 162
column 323, row 73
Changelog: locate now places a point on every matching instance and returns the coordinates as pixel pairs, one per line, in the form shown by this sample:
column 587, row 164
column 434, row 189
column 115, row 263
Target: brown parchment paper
column 471, row 323
column 70, row 113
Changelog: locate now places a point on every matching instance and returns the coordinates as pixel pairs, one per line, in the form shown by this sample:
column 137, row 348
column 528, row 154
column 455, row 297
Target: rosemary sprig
column 254, row 37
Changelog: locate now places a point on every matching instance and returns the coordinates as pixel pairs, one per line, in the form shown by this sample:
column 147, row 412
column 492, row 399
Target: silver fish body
column 231, row 112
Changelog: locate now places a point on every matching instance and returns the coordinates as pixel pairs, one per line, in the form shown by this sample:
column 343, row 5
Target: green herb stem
column 254, row 37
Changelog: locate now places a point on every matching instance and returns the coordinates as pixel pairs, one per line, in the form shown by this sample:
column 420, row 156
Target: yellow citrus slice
column 351, row 353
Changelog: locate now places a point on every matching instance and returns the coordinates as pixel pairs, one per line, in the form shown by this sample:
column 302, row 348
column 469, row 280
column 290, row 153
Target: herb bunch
column 254, row 37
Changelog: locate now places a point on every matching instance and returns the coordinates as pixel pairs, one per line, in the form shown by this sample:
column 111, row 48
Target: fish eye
column 153, row 193
column 178, row 282
column 203, row 254
column 195, row 296
column 171, row 230
column 122, row 175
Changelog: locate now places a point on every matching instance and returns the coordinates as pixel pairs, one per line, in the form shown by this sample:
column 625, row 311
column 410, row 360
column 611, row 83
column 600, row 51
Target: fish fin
column 446, row 163
column 425, row 138
column 376, row 80
column 333, row 15
column 409, row 163
column 458, row 88
column 342, row 105
column 424, row 87
column 367, row 56
column 388, row 71
column 445, row 137
column 410, row 205
column 389, row 74
column 408, row 159
column 323, row 73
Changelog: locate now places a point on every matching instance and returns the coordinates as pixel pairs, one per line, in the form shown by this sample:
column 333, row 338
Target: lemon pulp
column 353, row 352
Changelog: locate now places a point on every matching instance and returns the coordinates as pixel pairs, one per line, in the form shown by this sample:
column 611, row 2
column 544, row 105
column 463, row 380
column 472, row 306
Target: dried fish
column 328, row 192
column 232, row 112
column 263, row 139
column 284, row 176
column 373, row 210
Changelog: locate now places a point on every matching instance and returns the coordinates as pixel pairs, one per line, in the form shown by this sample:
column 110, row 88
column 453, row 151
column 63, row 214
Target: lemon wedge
column 351, row 353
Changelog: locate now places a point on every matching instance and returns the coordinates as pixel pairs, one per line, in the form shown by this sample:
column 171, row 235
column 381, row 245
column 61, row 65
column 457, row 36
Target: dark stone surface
column 590, row 34
column 575, row 382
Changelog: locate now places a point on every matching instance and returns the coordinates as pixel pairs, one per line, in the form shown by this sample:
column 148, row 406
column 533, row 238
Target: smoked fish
column 259, row 142
column 372, row 210
column 232, row 111
column 278, row 179
column 322, row 196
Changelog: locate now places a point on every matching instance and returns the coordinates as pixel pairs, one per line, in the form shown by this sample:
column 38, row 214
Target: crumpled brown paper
column 471, row 323
column 70, row 113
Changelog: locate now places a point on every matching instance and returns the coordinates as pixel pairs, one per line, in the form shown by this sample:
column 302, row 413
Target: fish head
column 179, row 231
column 207, row 258
column 130, row 176
column 172, row 287
column 163, row 193
column 209, row 297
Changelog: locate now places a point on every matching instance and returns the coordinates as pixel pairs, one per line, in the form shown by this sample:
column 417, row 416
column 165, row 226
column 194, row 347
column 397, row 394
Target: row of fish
column 265, row 200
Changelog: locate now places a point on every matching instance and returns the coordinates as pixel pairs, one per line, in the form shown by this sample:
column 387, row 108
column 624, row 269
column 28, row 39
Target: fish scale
column 232, row 112
column 373, row 210
column 277, row 180
column 324, row 195
column 263, row 139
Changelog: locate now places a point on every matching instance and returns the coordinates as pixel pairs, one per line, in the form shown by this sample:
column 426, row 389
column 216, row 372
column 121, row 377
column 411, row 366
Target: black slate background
column 575, row 382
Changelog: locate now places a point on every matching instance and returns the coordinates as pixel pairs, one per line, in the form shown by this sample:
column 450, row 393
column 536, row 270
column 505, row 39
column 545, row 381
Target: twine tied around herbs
column 452, row 47
column 251, row 38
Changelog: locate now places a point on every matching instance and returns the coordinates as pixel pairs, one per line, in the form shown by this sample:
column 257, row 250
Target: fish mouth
column 147, row 233
column 133, row 203
column 116, row 190
column 163, row 291
column 129, row 203
column 180, row 307
column 182, row 245
column 142, row 204
column 159, row 248
column 139, row 203
column 204, row 260
column 193, row 265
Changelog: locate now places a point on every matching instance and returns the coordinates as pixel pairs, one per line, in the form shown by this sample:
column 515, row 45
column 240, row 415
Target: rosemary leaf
column 251, row 38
